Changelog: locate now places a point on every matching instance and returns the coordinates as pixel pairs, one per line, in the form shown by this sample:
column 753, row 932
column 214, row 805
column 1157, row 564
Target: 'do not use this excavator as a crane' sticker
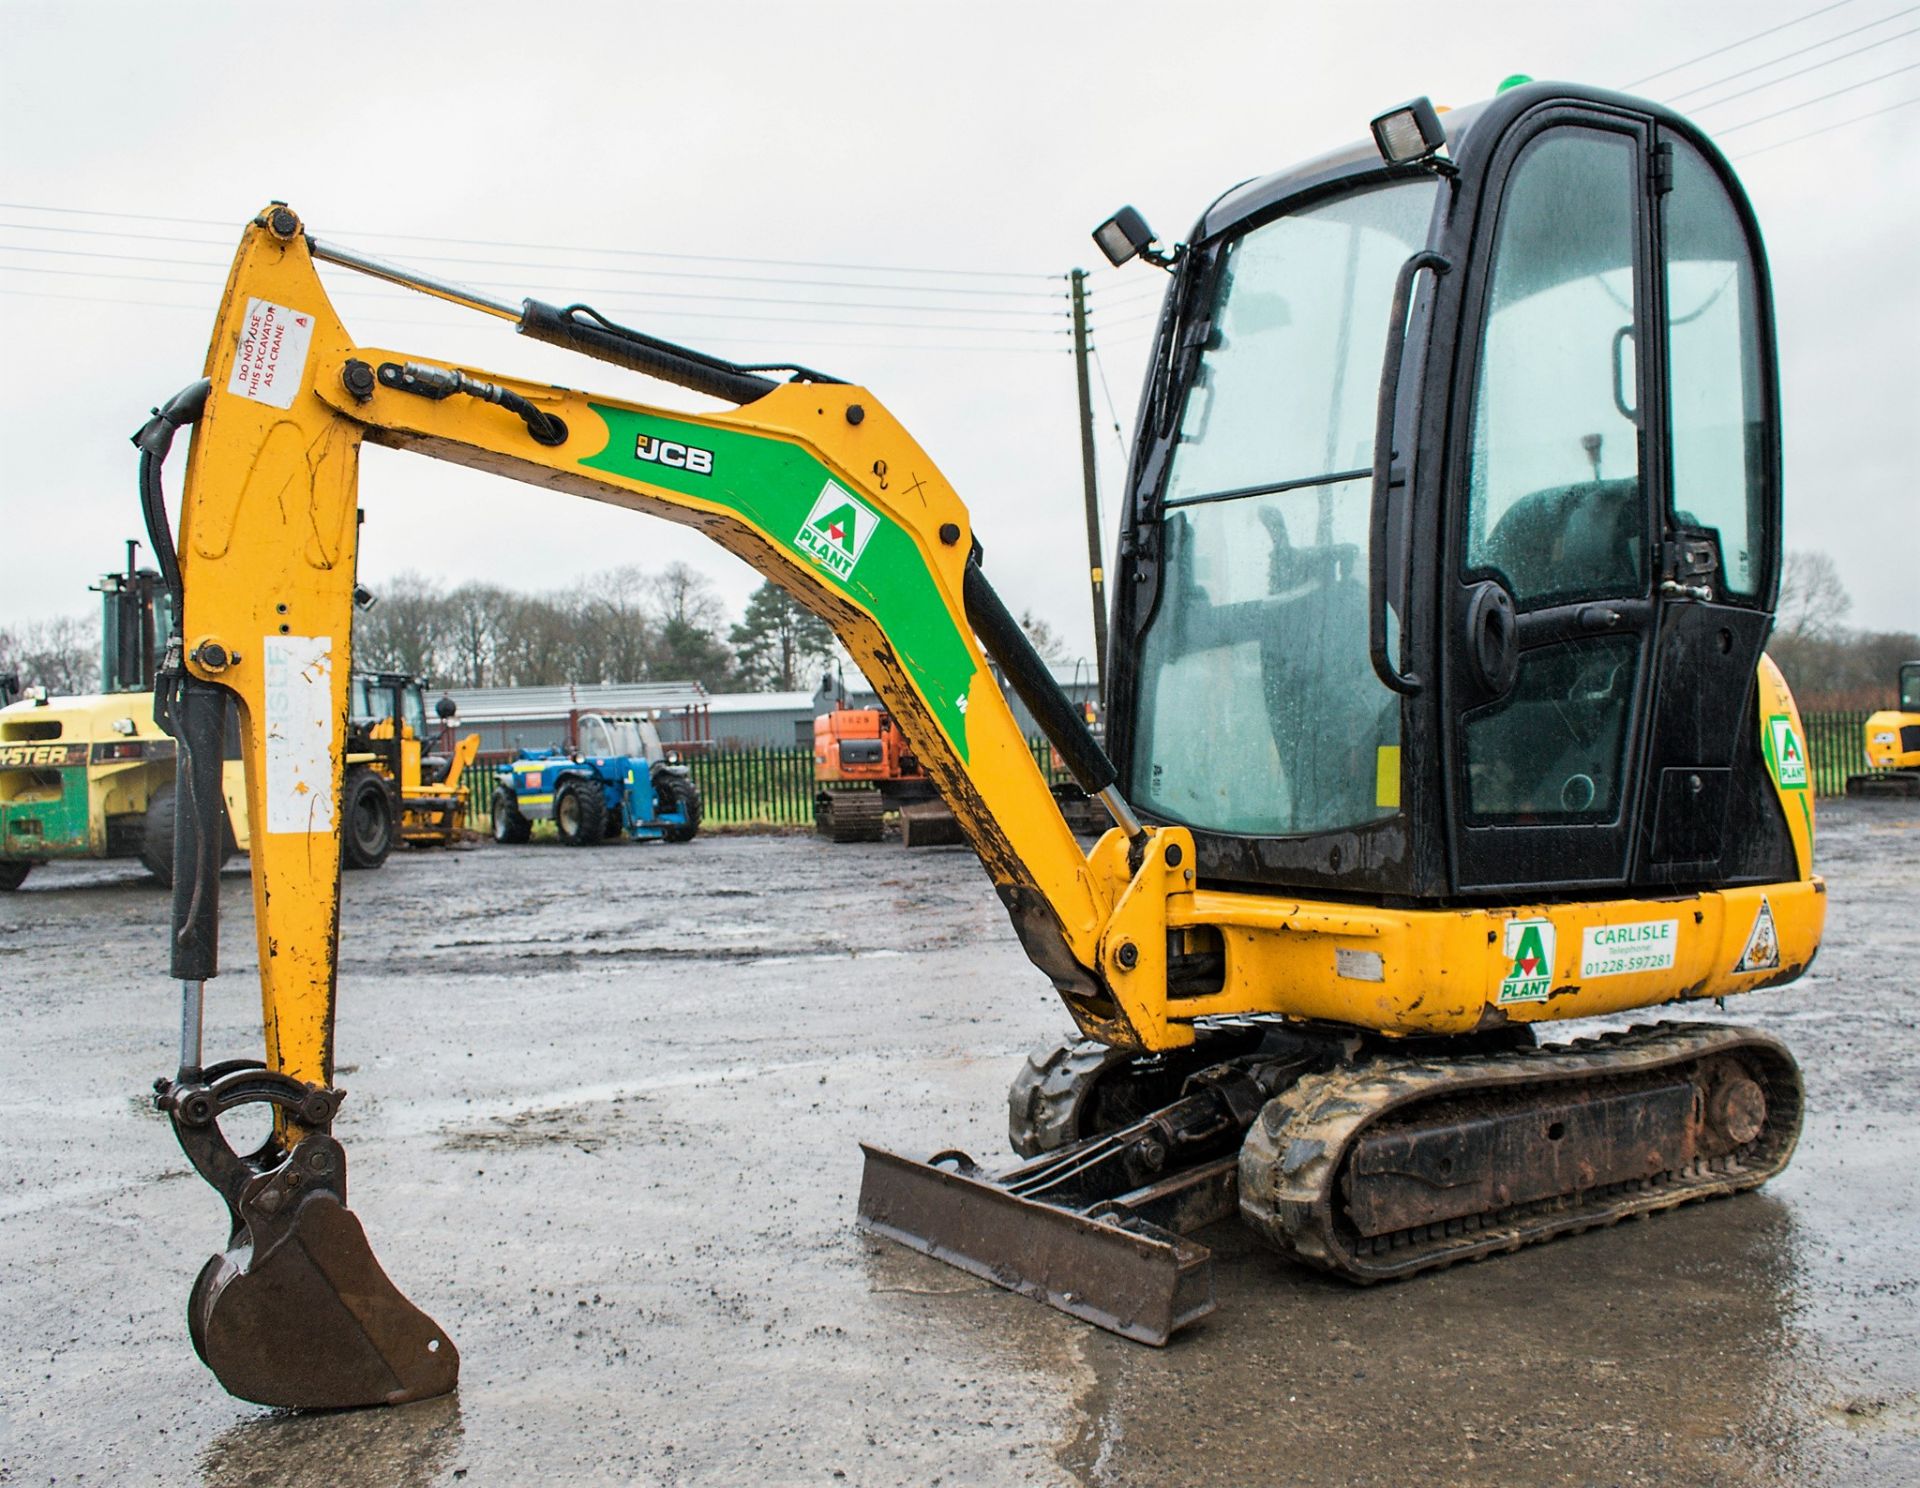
column 1438, row 713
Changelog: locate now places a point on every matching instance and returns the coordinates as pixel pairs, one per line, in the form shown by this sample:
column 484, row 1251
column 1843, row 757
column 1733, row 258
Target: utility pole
column 1096, row 558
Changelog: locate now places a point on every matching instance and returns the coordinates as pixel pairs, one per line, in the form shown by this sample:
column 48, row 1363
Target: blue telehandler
column 617, row 781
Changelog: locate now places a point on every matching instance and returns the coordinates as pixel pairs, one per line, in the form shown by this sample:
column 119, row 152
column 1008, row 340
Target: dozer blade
column 296, row 1311
column 1120, row 1273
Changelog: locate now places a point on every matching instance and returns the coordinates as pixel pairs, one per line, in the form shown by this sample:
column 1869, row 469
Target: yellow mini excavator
column 1438, row 713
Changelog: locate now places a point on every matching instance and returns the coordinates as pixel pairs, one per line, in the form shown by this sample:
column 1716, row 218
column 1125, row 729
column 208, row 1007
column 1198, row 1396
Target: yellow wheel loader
column 395, row 788
column 1438, row 716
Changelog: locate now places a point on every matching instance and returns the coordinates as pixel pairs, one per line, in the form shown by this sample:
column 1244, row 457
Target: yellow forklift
column 1438, row 717
column 92, row 776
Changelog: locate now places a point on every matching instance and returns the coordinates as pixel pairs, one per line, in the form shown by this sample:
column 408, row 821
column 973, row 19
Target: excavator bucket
column 296, row 1311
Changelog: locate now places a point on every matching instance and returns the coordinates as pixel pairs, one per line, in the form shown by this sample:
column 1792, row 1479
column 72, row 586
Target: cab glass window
column 1258, row 711
column 1287, row 384
column 1714, row 370
column 1556, row 509
column 1553, row 748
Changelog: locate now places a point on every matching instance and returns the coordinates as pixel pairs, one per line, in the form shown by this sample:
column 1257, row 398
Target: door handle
column 1404, row 683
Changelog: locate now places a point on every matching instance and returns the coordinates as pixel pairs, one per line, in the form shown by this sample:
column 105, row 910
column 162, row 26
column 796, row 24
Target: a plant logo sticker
column 837, row 530
column 1789, row 760
column 1762, row 951
column 1529, row 953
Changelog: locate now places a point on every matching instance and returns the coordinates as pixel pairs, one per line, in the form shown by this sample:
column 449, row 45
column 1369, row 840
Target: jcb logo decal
column 41, row 756
column 679, row 456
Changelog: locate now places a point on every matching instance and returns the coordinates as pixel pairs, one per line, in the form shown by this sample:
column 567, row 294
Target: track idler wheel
column 296, row 1311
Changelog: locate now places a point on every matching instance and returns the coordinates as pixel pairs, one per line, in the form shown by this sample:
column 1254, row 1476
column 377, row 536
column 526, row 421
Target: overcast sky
column 978, row 137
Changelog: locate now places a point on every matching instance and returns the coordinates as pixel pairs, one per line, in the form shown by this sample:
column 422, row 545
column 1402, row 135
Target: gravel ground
column 602, row 1118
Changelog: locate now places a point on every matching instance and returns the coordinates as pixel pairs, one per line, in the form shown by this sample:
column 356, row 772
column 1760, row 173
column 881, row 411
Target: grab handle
column 1404, row 683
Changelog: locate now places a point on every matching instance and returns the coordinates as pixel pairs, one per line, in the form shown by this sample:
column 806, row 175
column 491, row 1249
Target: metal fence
column 738, row 787
column 756, row 787
column 774, row 787
column 1836, row 748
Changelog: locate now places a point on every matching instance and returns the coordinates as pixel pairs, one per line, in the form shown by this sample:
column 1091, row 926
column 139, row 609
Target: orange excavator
column 864, row 768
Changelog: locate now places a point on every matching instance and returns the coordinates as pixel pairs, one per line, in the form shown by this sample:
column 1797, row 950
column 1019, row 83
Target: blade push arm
column 813, row 484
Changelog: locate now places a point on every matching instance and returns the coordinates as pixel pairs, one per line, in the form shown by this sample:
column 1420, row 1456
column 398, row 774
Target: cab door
column 1709, row 812
column 1551, row 632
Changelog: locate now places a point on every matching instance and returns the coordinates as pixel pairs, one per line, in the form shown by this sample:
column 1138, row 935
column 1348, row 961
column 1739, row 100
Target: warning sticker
column 299, row 710
column 273, row 354
column 1762, row 952
column 1529, row 954
column 1616, row 950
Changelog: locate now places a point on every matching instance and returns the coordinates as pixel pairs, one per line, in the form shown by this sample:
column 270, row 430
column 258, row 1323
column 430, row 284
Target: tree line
column 1830, row 666
column 633, row 625
column 623, row 624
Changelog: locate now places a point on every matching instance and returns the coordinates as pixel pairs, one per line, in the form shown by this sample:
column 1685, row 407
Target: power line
column 1119, row 439
column 1826, row 128
column 1809, row 103
column 1127, row 320
column 665, row 294
column 626, row 290
column 1812, row 46
column 391, row 320
column 636, row 310
column 1814, row 67
column 1018, row 294
column 790, row 263
column 1732, row 45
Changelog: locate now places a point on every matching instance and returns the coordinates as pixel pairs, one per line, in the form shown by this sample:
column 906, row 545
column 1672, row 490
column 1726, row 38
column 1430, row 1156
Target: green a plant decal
column 1529, row 953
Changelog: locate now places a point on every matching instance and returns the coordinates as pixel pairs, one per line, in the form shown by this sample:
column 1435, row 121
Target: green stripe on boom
column 774, row 484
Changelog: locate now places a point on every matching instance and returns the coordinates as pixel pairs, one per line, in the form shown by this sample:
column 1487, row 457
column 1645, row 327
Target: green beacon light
column 1515, row 80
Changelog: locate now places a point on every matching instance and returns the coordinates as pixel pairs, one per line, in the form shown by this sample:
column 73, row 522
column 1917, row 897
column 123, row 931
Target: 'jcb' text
column 680, row 456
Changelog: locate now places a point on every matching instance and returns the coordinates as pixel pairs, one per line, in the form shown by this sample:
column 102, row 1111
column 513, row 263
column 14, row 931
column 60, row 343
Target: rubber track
column 1292, row 1161
column 854, row 816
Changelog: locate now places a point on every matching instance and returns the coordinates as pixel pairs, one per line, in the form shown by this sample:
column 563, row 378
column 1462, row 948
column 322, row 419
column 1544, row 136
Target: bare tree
column 614, row 623
column 61, row 654
column 535, row 645
column 620, row 625
column 470, row 629
column 682, row 593
column 406, row 630
column 1043, row 636
column 1814, row 603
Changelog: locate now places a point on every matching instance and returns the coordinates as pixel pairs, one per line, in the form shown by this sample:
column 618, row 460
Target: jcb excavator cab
column 1482, row 618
